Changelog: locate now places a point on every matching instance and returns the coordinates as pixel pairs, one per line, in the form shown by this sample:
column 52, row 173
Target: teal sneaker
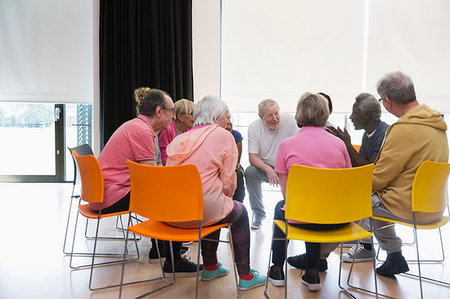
column 256, row 281
column 220, row 271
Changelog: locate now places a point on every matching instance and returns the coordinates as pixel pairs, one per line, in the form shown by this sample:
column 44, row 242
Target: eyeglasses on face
column 271, row 115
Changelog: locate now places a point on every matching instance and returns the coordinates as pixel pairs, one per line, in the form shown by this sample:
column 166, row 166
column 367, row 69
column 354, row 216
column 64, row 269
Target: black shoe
column 183, row 267
column 276, row 276
column 312, row 281
column 395, row 264
column 153, row 253
column 299, row 262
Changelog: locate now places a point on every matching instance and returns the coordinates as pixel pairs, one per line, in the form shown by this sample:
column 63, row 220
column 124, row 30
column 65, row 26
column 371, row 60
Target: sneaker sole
column 253, row 286
column 218, row 275
column 360, row 260
column 277, row 282
column 313, row 287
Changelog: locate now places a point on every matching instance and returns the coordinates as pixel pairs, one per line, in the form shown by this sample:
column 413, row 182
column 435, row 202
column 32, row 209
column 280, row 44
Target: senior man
column 264, row 136
column 418, row 135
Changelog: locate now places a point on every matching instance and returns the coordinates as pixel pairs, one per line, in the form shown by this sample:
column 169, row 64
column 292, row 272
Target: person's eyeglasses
column 171, row 109
column 228, row 116
column 380, row 100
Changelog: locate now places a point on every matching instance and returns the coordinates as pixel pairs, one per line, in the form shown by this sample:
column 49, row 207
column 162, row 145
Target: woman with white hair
column 213, row 150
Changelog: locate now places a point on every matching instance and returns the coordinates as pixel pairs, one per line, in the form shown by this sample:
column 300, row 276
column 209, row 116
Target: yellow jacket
column 417, row 136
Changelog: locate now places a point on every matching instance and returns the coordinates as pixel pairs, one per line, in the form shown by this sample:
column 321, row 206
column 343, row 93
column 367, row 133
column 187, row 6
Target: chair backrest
column 82, row 150
column 357, row 147
column 166, row 193
column 92, row 184
column 429, row 190
column 326, row 196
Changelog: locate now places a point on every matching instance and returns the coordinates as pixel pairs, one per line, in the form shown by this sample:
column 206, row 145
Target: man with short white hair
column 264, row 136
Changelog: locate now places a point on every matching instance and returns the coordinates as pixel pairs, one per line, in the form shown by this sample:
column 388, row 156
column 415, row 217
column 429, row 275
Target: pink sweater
column 164, row 138
column 213, row 150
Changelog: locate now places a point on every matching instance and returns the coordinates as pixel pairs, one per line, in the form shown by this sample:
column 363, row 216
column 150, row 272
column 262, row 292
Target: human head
column 151, row 100
column 269, row 112
column 139, row 94
column 211, row 110
column 184, row 110
column 397, row 87
column 330, row 104
column 312, row 110
column 365, row 108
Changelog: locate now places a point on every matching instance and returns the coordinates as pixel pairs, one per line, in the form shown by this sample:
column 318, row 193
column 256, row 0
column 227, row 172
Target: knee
column 279, row 213
column 250, row 172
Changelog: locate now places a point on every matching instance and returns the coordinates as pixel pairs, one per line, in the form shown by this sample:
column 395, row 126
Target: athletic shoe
column 220, row 271
column 360, row 253
column 257, row 280
column 276, row 276
column 183, row 267
column 395, row 264
column 312, row 282
column 257, row 223
column 299, row 262
column 153, row 254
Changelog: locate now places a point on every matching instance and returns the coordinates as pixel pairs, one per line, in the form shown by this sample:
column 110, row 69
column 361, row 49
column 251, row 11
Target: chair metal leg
column 268, row 265
column 236, row 278
column 340, row 272
column 68, row 221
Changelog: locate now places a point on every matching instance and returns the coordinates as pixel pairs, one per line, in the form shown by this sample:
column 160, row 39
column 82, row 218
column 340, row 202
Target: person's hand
column 343, row 135
column 272, row 177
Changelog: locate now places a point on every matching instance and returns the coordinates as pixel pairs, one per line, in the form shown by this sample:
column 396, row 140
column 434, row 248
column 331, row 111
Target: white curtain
column 46, row 51
column 280, row 49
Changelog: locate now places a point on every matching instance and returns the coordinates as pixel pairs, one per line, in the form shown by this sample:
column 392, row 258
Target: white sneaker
column 360, row 253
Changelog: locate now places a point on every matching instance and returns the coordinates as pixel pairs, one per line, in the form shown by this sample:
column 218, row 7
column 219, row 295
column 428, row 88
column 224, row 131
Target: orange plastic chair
column 429, row 195
column 169, row 194
column 357, row 147
column 92, row 189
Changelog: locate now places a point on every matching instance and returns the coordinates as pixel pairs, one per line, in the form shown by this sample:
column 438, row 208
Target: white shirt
column 265, row 142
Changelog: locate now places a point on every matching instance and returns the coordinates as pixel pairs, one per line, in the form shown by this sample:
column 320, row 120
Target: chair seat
column 87, row 212
column 442, row 221
column 350, row 232
column 162, row 231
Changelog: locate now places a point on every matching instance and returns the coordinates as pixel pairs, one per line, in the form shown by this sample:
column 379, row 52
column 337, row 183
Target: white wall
column 206, row 47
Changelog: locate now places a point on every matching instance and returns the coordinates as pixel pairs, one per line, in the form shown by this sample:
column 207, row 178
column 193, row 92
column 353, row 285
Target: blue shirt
column 371, row 146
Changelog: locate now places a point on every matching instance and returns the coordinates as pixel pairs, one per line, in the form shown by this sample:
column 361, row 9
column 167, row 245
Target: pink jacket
column 164, row 138
column 213, row 150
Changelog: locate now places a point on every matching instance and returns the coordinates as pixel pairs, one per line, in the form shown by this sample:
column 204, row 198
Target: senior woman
column 183, row 110
column 311, row 146
column 213, row 150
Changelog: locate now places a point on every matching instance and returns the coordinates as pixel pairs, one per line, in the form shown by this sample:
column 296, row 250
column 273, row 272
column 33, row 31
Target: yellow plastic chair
column 169, row 194
column 322, row 196
column 92, row 189
column 429, row 195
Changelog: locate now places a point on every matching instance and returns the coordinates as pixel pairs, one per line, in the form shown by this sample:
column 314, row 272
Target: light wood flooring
column 32, row 264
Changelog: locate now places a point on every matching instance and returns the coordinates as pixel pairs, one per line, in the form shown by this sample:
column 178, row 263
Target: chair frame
column 94, row 254
column 131, row 165
column 285, row 227
column 415, row 227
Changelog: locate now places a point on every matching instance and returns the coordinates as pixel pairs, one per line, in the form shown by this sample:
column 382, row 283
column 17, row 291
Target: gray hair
column 367, row 103
column 398, row 87
column 209, row 110
column 266, row 103
column 312, row 110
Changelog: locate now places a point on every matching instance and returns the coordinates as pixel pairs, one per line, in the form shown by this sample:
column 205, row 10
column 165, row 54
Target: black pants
column 312, row 249
column 239, row 194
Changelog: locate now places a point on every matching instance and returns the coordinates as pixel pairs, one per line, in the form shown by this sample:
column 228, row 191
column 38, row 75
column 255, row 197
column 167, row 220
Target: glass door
column 32, row 139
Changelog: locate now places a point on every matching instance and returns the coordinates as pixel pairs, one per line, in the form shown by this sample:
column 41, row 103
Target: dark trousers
column 240, row 231
column 239, row 194
column 312, row 249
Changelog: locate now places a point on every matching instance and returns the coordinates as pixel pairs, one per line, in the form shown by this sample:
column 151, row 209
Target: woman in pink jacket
column 213, row 150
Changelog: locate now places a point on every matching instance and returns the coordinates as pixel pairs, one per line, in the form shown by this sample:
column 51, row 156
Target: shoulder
column 237, row 136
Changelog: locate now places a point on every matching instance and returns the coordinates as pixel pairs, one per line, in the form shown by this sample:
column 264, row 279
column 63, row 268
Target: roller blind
column 280, row 49
column 46, row 51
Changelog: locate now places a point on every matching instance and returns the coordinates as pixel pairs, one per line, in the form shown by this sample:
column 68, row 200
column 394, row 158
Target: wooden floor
column 32, row 264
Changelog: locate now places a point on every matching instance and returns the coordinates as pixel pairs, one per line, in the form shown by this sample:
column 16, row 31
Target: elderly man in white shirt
column 264, row 136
